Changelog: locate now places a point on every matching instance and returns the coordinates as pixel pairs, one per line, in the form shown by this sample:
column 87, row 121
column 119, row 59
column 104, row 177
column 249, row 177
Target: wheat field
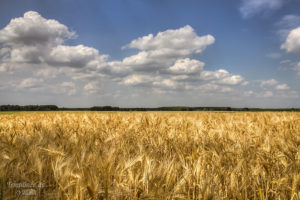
column 150, row 155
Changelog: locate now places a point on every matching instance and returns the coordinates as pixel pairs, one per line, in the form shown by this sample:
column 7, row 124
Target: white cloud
column 186, row 66
column 292, row 42
column 72, row 56
column 48, row 72
column 222, row 76
column 32, row 39
column 232, row 80
column 184, row 40
column 27, row 54
column 148, row 61
column 32, row 29
column 286, row 24
column 183, row 80
column 160, row 51
column 163, row 61
column 140, row 79
column 167, row 83
column 250, row 8
column 275, row 84
column 270, row 82
column 29, row 83
column 211, row 75
column 292, row 45
column 282, row 87
column 207, row 87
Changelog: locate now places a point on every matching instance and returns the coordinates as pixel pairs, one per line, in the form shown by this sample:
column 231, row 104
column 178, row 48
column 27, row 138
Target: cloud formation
column 35, row 51
column 186, row 66
column 270, row 82
column 282, row 87
column 160, row 51
column 71, row 56
column 286, row 24
column 249, row 8
column 32, row 39
column 183, row 40
column 274, row 84
column 32, row 29
column 162, row 62
column 292, row 42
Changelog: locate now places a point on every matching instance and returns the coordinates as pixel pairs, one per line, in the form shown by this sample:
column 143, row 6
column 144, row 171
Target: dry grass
column 156, row 155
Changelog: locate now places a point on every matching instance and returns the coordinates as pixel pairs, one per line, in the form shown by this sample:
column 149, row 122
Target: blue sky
column 200, row 52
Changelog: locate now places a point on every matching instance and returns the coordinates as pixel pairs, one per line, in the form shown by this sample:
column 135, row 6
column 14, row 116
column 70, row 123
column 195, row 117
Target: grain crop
column 150, row 155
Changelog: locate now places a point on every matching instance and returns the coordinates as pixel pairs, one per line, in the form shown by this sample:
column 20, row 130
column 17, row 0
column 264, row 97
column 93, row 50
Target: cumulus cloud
column 32, row 39
column 250, row 8
column 140, row 79
column 148, row 61
column 47, row 72
column 154, row 82
column 270, row 82
column 186, row 66
column 34, row 45
column 231, row 80
column 163, row 62
column 184, row 40
column 32, row 29
column 286, row 24
column 282, row 87
column 166, row 83
column 160, row 51
column 273, row 84
column 292, row 45
column 292, row 42
column 72, row 56
column 222, row 76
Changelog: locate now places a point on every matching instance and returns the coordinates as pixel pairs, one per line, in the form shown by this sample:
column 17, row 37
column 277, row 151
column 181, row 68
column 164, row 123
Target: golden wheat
column 150, row 155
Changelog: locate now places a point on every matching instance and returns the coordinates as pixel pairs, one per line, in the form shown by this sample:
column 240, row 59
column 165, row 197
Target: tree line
column 111, row 108
column 28, row 108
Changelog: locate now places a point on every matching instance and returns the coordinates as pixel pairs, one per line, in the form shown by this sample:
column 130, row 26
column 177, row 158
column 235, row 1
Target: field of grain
column 150, row 155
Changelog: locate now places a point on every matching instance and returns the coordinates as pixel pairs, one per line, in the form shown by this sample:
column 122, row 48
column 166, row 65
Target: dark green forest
column 111, row 108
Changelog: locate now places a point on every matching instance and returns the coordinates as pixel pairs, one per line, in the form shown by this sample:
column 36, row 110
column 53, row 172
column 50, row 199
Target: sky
column 150, row 53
